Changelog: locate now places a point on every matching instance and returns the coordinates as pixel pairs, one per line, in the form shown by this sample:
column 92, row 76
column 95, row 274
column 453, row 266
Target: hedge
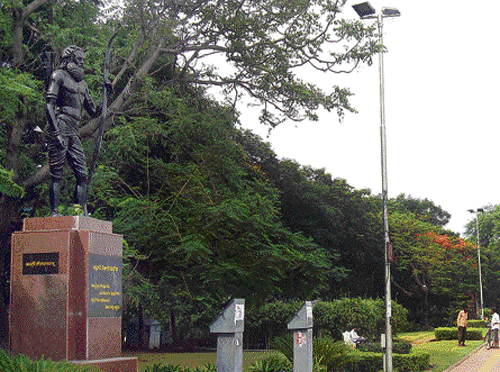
column 373, row 362
column 476, row 323
column 399, row 346
column 452, row 334
column 411, row 362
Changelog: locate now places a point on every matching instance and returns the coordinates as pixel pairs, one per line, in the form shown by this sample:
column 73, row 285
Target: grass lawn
column 192, row 359
column 443, row 353
column 446, row 353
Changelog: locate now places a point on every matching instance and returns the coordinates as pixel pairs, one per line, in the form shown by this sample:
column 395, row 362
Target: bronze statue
column 67, row 96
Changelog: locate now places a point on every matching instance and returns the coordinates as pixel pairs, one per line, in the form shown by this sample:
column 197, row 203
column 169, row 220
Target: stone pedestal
column 66, row 292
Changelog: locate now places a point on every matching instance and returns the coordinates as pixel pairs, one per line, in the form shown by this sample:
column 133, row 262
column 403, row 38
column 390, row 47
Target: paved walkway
column 482, row 360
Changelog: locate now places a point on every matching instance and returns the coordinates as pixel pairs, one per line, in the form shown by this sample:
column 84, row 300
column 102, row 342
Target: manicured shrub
column 373, row 362
column 411, row 362
column 476, row 323
column 452, row 334
column 366, row 362
column 176, row 368
column 22, row 363
column 399, row 346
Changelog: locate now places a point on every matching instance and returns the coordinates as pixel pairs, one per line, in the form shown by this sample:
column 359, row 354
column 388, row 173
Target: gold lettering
column 40, row 263
column 100, row 286
column 94, row 299
column 110, row 307
column 105, row 268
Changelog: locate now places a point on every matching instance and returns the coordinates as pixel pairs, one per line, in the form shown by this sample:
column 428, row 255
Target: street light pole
column 366, row 11
column 477, row 213
column 385, row 203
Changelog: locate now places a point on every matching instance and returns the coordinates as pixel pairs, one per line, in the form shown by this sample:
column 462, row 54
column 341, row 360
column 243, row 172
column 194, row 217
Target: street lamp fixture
column 366, row 11
column 390, row 12
column 477, row 212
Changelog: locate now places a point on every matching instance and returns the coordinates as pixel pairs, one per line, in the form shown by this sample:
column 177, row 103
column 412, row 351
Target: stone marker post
column 302, row 326
column 229, row 327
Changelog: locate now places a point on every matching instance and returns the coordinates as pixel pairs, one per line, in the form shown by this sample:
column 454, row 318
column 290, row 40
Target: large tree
column 258, row 45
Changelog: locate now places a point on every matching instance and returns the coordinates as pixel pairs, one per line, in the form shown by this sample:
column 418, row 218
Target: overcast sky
column 441, row 87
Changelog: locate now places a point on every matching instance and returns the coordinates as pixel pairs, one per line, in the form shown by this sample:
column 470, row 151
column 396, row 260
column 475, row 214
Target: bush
column 365, row 362
column 272, row 364
column 452, row 334
column 366, row 314
column 476, row 323
column 399, row 346
column 411, row 362
column 22, row 363
column 373, row 362
column 172, row 368
column 326, row 351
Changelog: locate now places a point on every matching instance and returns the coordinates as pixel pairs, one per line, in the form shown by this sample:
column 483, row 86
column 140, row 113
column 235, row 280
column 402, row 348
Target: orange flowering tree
column 431, row 268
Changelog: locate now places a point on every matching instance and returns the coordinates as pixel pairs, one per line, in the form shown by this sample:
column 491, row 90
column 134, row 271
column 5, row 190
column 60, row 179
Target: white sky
column 441, row 82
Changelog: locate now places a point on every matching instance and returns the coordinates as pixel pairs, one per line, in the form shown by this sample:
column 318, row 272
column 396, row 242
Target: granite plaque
column 105, row 286
column 40, row 263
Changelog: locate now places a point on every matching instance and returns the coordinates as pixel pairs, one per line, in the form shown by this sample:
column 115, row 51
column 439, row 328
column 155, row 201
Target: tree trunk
column 173, row 326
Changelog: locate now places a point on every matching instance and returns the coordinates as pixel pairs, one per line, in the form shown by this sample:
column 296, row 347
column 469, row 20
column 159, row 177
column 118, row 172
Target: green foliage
column 269, row 319
column 17, row 92
column 21, row 363
column 489, row 242
column 331, row 212
column 424, row 210
column 337, row 357
column 476, row 323
column 365, row 314
column 399, row 346
column 372, row 362
column 176, row 368
column 272, row 364
column 178, row 186
column 8, row 186
column 452, row 334
column 358, row 361
column 330, row 353
column 330, row 318
column 327, row 352
column 411, row 362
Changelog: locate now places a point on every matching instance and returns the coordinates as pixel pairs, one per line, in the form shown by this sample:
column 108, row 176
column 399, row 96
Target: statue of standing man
column 67, row 96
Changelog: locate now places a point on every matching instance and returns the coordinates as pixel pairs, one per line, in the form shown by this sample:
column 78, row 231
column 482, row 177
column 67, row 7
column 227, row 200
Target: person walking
column 462, row 325
column 495, row 325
